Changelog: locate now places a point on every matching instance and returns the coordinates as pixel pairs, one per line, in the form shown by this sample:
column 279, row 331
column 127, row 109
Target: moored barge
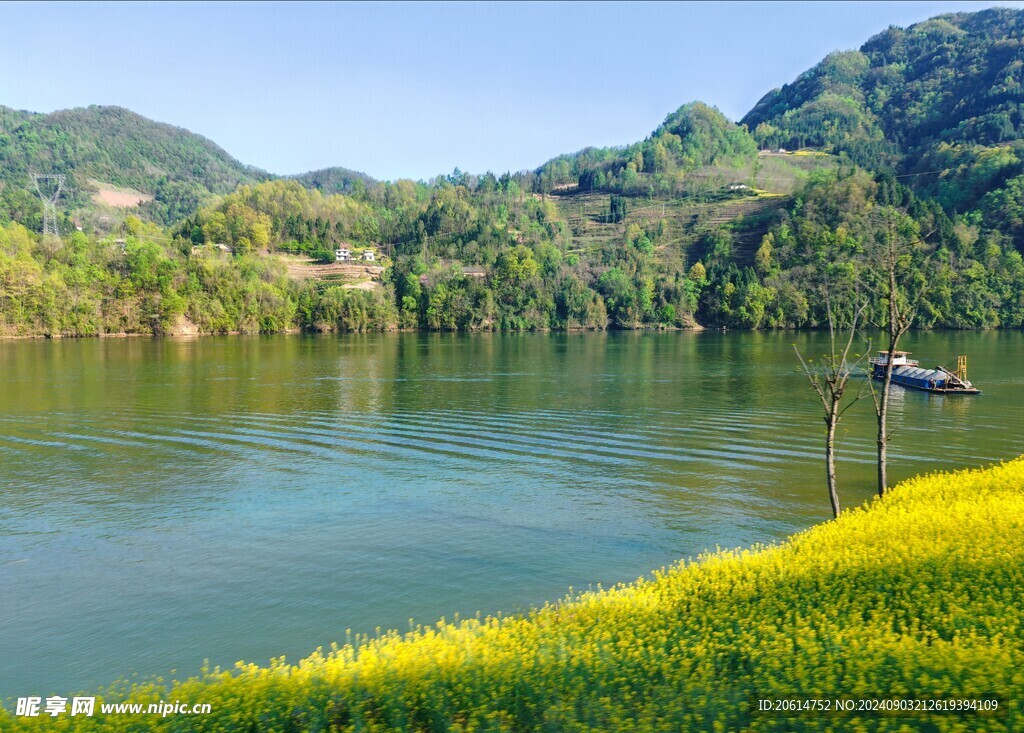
column 907, row 372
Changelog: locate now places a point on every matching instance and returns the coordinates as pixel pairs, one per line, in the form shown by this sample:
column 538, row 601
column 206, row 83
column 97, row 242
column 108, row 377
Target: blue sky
column 413, row 90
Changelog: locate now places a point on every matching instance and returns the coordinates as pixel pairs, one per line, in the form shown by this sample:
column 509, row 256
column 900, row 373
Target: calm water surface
column 170, row 501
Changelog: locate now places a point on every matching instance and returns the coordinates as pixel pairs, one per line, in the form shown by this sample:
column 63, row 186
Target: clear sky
column 413, row 90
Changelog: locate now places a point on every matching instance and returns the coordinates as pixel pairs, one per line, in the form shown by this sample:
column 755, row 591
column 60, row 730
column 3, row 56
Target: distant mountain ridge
column 333, row 180
column 940, row 103
column 114, row 146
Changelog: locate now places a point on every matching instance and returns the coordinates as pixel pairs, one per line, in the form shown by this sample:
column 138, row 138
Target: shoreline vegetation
column 188, row 334
column 915, row 595
column 525, row 267
column 297, row 331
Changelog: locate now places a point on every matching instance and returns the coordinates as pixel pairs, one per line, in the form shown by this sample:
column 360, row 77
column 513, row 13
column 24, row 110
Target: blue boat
column 907, row 372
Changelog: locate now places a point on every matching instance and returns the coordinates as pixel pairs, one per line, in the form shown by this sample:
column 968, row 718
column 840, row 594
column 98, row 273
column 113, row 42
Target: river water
column 165, row 502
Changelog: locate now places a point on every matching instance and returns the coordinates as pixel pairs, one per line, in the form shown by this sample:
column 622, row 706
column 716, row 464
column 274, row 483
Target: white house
column 369, row 255
column 738, row 186
column 342, row 254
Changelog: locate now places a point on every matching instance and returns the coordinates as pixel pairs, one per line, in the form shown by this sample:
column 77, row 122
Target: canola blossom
column 919, row 594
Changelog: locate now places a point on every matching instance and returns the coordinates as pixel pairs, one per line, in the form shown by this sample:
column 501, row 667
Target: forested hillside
column 692, row 138
column 940, row 104
column 955, row 78
column 917, row 138
column 110, row 148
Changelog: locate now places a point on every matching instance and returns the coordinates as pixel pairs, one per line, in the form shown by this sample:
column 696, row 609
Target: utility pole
column 49, row 201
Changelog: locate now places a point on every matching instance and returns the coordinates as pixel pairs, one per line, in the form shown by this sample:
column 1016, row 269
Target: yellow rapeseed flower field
column 917, row 596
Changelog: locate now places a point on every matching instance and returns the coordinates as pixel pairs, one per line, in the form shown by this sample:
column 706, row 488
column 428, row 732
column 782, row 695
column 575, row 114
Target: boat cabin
column 899, row 358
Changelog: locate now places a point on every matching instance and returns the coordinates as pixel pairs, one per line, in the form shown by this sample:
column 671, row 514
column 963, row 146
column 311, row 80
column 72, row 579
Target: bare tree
column 830, row 381
column 901, row 312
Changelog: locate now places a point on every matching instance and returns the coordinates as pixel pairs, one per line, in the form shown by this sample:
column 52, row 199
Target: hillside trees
column 120, row 148
column 940, row 102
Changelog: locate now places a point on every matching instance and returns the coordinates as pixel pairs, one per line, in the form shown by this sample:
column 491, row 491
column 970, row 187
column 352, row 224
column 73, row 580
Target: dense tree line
column 495, row 257
column 524, row 276
column 971, row 276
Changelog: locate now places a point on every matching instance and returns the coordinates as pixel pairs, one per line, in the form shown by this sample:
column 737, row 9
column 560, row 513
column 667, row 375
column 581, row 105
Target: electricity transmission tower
column 49, row 201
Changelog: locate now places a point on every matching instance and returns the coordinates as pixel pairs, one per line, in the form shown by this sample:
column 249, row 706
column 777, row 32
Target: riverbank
column 190, row 330
column 914, row 596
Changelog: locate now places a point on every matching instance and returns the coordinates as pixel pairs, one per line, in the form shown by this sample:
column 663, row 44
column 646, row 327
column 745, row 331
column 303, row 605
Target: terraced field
column 749, row 217
column 354, row 275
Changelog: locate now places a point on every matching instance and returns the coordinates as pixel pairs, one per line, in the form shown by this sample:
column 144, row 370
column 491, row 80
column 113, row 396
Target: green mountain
column 924, row 125
column 954, row 78
column 694, row 137
column 116, row 159
column 939, row 104
column 334, row 180
column 112, row 153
